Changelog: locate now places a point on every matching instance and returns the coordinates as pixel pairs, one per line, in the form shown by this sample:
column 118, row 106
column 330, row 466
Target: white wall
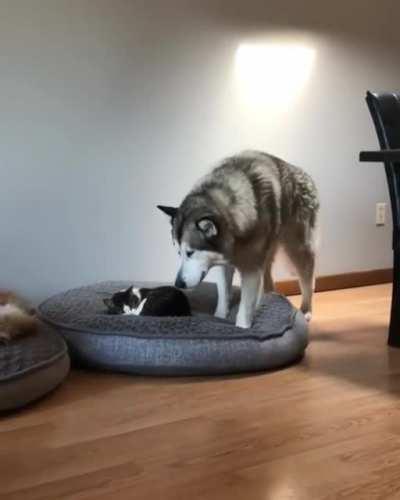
column 109, row 108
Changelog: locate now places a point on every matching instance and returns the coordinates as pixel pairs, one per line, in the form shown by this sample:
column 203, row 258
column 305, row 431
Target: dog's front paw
column 243, row 323
column 221, row 313
column 308, row 316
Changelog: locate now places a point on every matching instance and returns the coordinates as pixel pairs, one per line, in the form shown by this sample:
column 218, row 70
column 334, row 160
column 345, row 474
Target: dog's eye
column 189, row 254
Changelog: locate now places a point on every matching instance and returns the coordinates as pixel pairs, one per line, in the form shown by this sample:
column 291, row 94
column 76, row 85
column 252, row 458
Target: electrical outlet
column 380, row 214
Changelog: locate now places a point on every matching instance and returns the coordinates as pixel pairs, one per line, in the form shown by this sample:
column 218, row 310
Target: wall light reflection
column 272, row 73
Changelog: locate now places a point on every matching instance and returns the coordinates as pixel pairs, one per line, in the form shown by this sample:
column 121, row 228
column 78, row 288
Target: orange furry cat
column 16, row 317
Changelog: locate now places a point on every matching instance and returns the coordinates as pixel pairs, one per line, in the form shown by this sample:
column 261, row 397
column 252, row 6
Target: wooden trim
column 339, row 281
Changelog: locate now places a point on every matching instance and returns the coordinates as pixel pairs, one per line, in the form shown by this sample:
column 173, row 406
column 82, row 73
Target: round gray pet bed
column 195, row 345
column 31, row 366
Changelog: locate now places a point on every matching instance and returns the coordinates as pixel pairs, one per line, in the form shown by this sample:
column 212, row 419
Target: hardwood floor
column 328, row 428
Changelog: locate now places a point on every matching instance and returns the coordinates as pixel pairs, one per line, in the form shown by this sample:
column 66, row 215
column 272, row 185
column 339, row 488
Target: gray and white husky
column 236, row 217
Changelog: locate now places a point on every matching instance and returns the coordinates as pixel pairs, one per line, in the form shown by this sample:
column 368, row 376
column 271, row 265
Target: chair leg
column 394, row 328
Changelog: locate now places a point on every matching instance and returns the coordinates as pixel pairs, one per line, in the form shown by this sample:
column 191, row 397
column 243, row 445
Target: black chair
column 385, row 111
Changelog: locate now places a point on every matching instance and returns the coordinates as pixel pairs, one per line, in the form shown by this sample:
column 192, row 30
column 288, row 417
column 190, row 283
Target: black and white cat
column 160, row 301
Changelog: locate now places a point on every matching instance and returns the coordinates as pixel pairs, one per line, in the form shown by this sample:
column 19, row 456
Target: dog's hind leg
column 301, row 252
column 268, row 282
column 250, row 295
column 224, row 277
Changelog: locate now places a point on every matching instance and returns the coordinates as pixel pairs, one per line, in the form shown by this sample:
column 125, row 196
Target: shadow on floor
column 359, row 355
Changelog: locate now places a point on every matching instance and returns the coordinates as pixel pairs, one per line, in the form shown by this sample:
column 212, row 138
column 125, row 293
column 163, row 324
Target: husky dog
column 236, row 217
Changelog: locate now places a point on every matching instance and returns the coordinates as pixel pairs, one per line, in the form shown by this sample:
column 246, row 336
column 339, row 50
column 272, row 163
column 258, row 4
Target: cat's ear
column 129, row 290
column 207, row 227
column 170, row 211
column 108, row 303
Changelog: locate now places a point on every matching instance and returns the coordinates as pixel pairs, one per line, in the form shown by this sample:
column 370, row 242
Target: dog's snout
column 179, row 282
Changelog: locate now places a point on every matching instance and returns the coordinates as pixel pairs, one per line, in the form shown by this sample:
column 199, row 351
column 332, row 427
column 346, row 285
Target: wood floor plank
column 326, row 428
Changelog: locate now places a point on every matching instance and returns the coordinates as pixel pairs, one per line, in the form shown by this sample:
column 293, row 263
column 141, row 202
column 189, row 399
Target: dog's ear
column 170, row 211
column 207, row 227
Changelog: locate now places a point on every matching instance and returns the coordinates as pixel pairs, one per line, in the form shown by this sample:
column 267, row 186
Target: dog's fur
column 237, row 217
column 16, row 317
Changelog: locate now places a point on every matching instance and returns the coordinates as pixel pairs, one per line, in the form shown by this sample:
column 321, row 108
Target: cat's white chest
column 135, row 310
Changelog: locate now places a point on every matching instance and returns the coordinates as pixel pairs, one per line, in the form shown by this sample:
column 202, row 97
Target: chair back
column 385, row 111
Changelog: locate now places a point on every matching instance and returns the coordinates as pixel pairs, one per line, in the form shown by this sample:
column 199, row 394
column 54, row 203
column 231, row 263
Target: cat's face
column 122, row 302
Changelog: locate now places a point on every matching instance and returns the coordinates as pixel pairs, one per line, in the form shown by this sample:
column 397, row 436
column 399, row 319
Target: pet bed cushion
column 31, row 366
column 200, row 344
